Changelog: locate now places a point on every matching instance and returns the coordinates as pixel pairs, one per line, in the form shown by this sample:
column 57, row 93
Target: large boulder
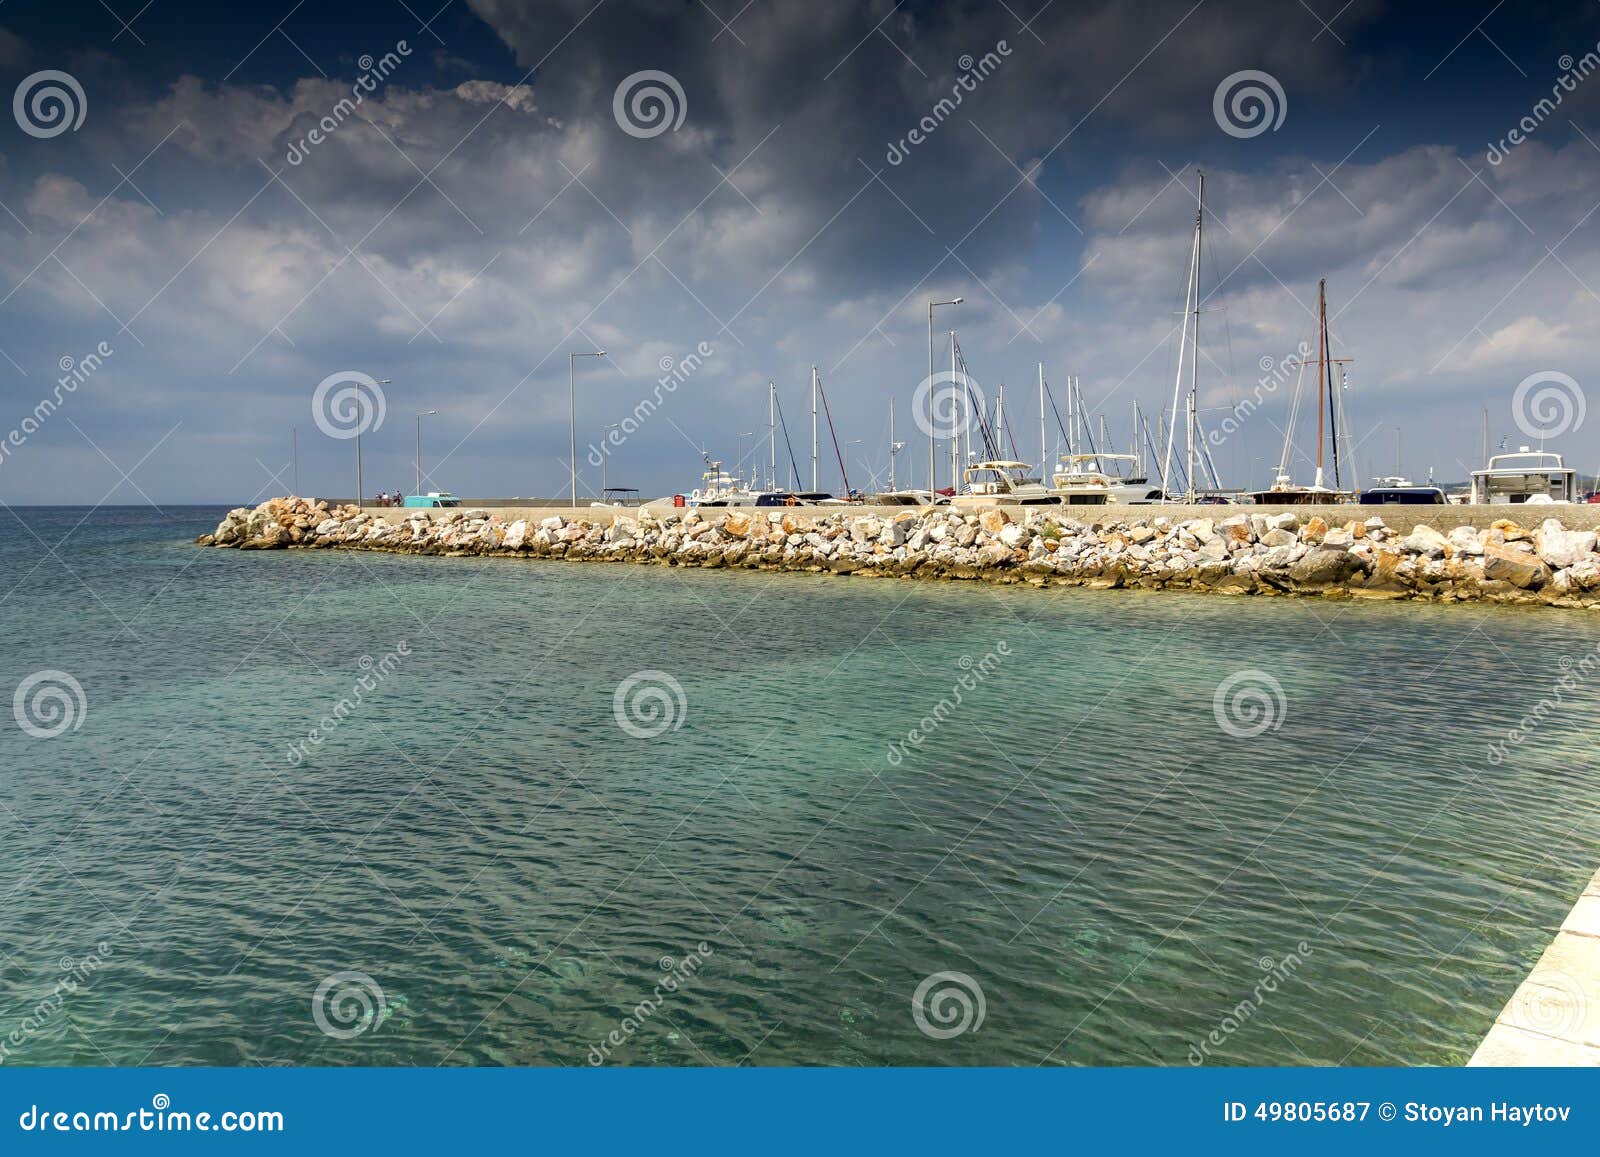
column 1525, row 571
column 1428, row 542
column 1559, row 547
column 992, row 520
column 1325, row 566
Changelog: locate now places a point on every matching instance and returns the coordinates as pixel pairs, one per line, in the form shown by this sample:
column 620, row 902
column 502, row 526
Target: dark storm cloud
column 460, row 231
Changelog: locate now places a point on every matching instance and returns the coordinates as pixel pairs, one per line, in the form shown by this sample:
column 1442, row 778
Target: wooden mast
column 1325, row 397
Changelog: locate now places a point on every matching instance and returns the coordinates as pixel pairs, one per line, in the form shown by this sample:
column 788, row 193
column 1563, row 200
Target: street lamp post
column 359, row 490
column 572, row 408
column 931, row 439
column 603, row 455
column 421, row 414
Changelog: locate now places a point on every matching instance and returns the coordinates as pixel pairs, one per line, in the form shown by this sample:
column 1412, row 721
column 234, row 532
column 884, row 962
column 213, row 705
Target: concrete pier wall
column 1444, row 518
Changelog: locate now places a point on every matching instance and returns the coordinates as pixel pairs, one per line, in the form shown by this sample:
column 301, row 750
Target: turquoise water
column 481, row 838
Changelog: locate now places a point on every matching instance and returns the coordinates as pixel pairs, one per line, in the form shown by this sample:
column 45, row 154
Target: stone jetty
column 1306, row 552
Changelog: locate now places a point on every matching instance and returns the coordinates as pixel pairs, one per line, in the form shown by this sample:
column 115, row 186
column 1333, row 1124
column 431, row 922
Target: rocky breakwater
column 1246, row 553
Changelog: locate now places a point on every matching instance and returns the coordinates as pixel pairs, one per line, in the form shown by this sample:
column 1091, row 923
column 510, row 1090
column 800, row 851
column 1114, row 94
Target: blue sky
column 483, row 212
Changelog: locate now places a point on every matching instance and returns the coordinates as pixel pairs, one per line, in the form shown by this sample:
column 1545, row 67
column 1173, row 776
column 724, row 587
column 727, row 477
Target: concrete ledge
column 1403, row 518
column 1554, row 1016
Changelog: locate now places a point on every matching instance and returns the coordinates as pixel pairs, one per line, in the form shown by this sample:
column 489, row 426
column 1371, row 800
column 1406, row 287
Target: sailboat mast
column 1335, row 403
column 1322, row 366
column 1072, row 415
column 1183, row 337
column 1194, row 348
column 813, row 428
column 961, row 403
column 1044, row 454
column 892, row 447
column 772, row 434
column 1000, row 420
column 1138, row 442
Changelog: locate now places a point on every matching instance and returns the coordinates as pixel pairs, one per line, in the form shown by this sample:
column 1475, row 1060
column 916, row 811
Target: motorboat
column 797, row 498
column 1536, row 477
column 1084, row 480
column 906, row 498
column 1396, row 490
column 1002, row 482
column 719, row 488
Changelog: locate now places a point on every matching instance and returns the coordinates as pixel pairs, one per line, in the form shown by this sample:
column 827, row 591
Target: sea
column 336, row 808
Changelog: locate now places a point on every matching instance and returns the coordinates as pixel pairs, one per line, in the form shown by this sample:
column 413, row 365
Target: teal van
column 432, row 500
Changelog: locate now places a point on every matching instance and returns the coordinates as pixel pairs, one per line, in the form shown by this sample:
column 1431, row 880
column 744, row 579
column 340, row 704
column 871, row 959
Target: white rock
column 1426, row 541
column 1563, row 548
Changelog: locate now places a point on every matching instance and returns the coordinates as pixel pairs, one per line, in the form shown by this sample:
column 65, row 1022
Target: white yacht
column 906, row 498
column 1002, row 482
column 719, row 488
column 1085, row 480
column 1536, row 477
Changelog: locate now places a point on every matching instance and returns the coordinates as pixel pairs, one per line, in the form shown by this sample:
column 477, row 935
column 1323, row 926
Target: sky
column 207, row 237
